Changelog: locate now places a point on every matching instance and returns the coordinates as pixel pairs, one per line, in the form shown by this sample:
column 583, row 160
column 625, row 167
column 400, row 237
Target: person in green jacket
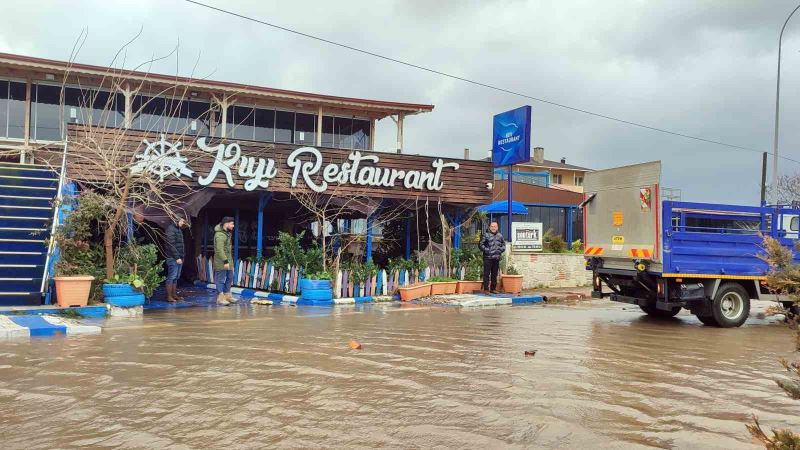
column 223, row 260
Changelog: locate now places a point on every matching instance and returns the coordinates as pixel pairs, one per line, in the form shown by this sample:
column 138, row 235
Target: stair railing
column 54, row 225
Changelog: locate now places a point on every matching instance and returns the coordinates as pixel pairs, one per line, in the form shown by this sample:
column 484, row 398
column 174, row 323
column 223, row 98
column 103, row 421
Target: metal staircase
column 27, row 194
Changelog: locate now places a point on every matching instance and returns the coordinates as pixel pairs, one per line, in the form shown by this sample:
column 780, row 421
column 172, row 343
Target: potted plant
column 414, row 291
column 443, row 285
column 78, row 260
column 511, row 280
column 472, row 278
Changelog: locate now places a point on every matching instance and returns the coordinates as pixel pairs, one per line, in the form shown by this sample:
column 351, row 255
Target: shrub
column 140, row 261
column 441, row 279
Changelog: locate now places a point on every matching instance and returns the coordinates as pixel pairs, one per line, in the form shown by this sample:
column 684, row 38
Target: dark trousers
column 490, row 269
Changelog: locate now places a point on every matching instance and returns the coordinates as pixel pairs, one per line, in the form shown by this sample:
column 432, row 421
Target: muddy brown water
column 603, row 377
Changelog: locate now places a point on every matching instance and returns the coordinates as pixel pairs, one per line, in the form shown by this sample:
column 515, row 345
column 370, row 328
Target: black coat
column 173, row 242
column 492, row 245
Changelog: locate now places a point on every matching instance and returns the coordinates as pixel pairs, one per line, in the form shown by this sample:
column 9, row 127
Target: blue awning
column 501, row 207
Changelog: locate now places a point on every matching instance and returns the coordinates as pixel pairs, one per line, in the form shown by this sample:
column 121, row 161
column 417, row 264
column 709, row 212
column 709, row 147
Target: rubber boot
column 170, row 292
column 231, row 298
column 175, row 294
column 221, row 300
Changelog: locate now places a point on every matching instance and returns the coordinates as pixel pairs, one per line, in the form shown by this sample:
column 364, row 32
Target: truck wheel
column 731, row 305
column 655, row 312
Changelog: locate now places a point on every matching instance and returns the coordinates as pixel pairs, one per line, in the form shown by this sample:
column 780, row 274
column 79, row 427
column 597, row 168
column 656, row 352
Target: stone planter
column 414, row 292
column 73, row 291
column 468, row 287
column 443, row 287
column 512, row 284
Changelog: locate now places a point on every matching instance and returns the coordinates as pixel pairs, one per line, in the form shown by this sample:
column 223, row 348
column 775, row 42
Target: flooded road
column 603, row 377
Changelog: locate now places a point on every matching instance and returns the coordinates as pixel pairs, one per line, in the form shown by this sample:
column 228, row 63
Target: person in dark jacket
column 493, row 246
column 174, row 252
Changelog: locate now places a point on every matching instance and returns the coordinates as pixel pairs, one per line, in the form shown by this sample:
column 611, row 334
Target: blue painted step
column 38, row 326
column 23, row 258
column 32, row 191
column 19, row 221
column 13, row 180
column 24, row 233
column 20, row 270
column 18, row 245
column 26, row 200
column 20, row 170
column 26, row 211
column 21, row 299
column 21, row 284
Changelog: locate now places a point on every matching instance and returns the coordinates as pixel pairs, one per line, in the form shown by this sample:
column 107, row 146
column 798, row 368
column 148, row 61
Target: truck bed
column 703, row 240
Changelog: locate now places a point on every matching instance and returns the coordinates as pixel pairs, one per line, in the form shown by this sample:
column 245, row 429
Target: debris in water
column 355, row 345
column 260, row 301
column 530, row 353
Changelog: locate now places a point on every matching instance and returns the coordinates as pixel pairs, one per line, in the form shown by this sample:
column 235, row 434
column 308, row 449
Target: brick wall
column 551, row 269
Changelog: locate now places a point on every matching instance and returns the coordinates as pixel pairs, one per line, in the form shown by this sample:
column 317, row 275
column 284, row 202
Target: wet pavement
column 604, row 376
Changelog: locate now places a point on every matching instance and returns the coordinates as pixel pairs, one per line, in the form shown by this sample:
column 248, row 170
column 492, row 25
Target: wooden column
column 371, row 134
column 400, row 117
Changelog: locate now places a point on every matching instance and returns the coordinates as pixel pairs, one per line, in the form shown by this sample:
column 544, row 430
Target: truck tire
column 655, row 312
column 731, row 306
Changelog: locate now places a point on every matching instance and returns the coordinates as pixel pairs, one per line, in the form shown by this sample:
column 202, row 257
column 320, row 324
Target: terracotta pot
column 414, row 292
column 468, row 287
column 512, row 284
column 443, row 287
column 73, row 291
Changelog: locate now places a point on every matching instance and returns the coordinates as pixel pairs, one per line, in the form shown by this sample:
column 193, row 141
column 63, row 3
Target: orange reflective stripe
column 646, row 253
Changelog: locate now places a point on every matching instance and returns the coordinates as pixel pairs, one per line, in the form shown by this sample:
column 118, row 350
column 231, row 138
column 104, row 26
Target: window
column 284, row 126
column 240, row 122
column 12, row 109
column 47, row 112
column 361, row 134
column 556, row 179
column 199, row 118
column 343, row 137
column 794, row 225
column 264, row 127
column 305, row 129
column 176, row 113
column 578, row 181
column 149, row 113
column 327, row 131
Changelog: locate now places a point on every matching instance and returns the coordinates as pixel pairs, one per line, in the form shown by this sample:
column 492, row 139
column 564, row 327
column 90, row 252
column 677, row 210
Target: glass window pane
column 175, row 115
column 264, row 125
column 149, row 113
column 47, row 113
column 284, row 126
column 199, row 118
column 305, row 127
column 360, row 134
column 16, row 110
column 344, row 131
column 327, row 131
column 3, row 108
column 240, row 122
column 103, row 109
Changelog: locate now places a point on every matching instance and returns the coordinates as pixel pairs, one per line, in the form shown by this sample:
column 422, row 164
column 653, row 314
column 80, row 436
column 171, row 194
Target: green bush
column 360, row 272
column 577, row 247
column 288, row 252
column 553, row 244
column 511, row 270
column 140, row 261
column 321, row 275
column 441, row 279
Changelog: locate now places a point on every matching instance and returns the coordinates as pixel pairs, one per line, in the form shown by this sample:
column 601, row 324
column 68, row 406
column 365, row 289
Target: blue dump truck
column 669, row 255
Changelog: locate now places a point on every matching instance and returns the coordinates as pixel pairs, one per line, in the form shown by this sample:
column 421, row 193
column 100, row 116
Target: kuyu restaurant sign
column 163, row 159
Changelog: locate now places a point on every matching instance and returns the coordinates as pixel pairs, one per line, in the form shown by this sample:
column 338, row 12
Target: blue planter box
column 315, row 292
column 126, row 301
column 118, row 290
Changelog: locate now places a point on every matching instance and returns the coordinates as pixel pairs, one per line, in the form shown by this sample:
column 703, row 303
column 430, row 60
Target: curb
column 292, row 299
column 42, row 325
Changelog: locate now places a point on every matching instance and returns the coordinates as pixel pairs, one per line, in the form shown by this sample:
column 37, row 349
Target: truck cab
column 666, row 256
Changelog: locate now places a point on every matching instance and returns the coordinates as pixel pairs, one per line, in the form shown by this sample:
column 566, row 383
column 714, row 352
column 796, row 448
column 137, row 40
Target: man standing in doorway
column 223, row 261
column 493, row 246
column 174, row 252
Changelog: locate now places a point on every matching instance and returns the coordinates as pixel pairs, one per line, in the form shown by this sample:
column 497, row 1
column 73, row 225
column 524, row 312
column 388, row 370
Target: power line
column 485, row 85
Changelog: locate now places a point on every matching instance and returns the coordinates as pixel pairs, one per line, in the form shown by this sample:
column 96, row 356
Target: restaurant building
column 225, row 149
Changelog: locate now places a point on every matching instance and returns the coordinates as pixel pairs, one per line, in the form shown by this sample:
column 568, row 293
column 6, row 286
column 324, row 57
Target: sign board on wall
column 526, row 236
column 511, row 137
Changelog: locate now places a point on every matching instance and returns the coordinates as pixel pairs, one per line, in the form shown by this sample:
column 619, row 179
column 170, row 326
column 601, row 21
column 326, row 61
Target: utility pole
column 764, row 178
column 777, row 112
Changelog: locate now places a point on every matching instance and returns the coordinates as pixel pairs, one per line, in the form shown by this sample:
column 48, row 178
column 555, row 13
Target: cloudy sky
column 705, row 68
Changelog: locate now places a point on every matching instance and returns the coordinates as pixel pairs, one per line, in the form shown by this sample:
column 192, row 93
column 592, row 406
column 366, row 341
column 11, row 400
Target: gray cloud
column 700, row 67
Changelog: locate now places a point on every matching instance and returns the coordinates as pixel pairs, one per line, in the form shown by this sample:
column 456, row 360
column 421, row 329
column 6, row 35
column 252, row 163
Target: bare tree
column 788, row 189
